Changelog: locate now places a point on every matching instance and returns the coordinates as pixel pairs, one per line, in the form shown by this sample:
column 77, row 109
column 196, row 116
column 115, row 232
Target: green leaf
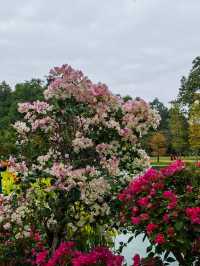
column 130, row 239
column 166, row 255
column 178, row 225
column 145, row 236
column 149, row 249
column 170, row 259
column 151, row 255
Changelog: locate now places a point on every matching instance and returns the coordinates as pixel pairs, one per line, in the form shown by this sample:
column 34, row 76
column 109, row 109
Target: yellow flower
column 8, row 182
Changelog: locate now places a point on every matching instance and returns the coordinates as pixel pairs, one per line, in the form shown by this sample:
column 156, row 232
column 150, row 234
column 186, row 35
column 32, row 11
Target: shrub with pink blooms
column 165, row 206
column 76, row 150
column 67, row 254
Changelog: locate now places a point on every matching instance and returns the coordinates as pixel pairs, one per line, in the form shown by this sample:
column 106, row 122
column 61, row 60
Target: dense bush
column 165, row 206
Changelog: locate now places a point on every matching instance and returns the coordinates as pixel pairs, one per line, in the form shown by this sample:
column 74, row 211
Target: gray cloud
column 137, row 47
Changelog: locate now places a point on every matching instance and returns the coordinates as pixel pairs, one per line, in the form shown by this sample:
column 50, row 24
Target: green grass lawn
column 165, row 160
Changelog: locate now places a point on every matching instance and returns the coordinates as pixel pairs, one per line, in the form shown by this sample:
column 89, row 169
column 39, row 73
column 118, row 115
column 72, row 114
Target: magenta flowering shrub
column 165, row 206
column 67, row 254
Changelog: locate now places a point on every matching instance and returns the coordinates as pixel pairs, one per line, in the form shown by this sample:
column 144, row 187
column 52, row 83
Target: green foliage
column 158, row 144
column 194, row 126
column 164, row 114
column 7, row 142
column 164, row 206
column 178, row 129
column 27, row 91
column 5, row 103
column 163, row 126
column 190, row 85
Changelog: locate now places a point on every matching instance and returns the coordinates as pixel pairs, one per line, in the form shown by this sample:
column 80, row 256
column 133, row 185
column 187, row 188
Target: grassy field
column 165, row 160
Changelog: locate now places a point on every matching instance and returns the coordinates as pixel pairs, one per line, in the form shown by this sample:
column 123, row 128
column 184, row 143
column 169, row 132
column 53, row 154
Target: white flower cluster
column 81, row 142
column 21, row 127
column 12, row 219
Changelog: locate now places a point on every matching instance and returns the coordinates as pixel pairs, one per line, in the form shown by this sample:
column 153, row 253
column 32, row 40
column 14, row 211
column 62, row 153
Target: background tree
column 163, row 126
column 7, row 143
column 194, row 126
column 158, row 144
column 5, row 103
column 190, row 85
column 178, row 127
column 27, row 91
column 164, row 114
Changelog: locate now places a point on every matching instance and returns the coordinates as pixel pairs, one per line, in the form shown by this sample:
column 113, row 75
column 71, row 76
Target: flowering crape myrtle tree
column 77, row 150
column 165, row 206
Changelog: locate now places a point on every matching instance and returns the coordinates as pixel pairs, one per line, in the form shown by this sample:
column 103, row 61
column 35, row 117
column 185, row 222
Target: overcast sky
column 137, row 47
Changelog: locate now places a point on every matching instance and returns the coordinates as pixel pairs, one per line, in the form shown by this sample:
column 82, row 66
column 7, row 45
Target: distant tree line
column 9, row 99
column 179, row 130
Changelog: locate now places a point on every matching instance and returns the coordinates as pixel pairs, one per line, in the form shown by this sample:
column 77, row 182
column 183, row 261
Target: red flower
column 135, row 220
column 144, row 216
column 160, row 239
column 135, row 210
column 173, row 168
column 143, row 201
column 194, row 214
column 150, row 228
column 171, row 196
column 198, row 164
column 41, row 257
column 136, row 260
column 170, row 232
column 166, row 218
column 158, row 186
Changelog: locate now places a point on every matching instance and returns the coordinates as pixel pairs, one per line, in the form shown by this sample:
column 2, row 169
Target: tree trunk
column 54, row 243
column 158, row 158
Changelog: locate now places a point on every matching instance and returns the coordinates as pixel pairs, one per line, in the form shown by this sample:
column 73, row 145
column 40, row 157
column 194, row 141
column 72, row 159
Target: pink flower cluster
column 160, row 239
column 64, row 249
column 67, row 82
column 150, row 181
column 17, row 167
column 66, row 253
column 148, row 192
column 171, row 196
column 194, row 214
column 37, row 106
column 198, row 164
column 139, row 184
column 150, row 228
column 43, row 123
column 173, row 168
column 136, row 260
column 98, row 256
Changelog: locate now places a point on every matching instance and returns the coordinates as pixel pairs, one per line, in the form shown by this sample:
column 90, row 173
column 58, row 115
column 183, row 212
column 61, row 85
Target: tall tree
column 190, row 85
column 27, row 91
column 178, row 129
column 5, row 103
column 194, row 126
column 163, row 126
column 163, row 112
column 158, row 144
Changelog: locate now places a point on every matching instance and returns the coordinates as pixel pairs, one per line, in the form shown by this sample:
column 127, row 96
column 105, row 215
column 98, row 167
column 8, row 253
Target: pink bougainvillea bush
column 76, row 150
column 67, row 254
column 165, row 206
